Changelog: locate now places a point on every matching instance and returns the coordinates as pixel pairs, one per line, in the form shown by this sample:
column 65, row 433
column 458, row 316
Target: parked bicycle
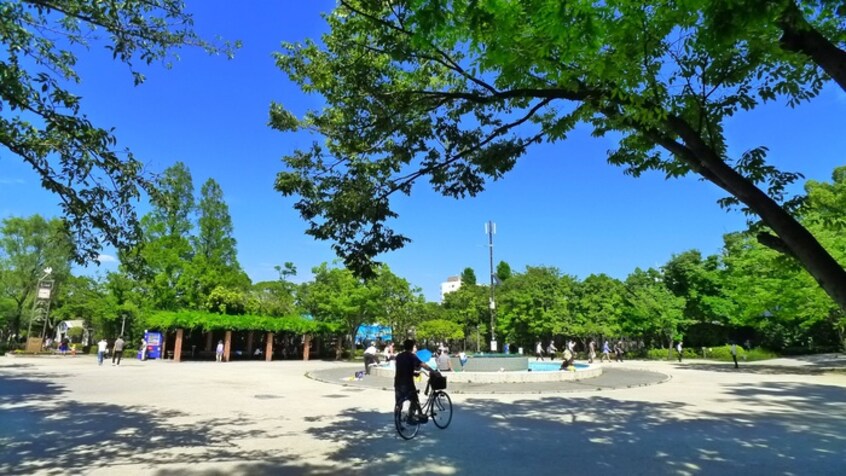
column 438, row 407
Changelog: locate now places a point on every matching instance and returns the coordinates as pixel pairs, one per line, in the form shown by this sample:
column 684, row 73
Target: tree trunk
column 793, row 238
column 799, row 36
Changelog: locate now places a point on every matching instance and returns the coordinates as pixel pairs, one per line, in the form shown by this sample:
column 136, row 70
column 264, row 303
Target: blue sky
column 561, row 206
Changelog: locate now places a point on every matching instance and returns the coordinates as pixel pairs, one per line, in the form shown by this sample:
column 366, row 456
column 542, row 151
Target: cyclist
column 407, row 363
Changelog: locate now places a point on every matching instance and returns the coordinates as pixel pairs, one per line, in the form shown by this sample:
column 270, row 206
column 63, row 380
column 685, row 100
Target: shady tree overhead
column 43, row 122
column 454, row 92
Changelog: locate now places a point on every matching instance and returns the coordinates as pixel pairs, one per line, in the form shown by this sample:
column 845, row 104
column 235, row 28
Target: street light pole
column 490, row 229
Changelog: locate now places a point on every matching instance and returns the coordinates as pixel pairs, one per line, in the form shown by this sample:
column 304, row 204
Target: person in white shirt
column 371, row 357
column 101, row 350
column 388, row 352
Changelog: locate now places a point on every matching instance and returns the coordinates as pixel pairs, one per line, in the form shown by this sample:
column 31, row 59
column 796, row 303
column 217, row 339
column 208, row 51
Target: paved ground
column 70, row 416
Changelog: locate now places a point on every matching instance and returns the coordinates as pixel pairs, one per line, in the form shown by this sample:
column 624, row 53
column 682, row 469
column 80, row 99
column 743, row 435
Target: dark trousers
column 117, row 355
column 734, row 358
column 368, row 361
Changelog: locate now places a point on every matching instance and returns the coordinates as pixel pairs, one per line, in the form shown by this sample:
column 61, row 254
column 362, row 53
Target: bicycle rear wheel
column 406, row 420
column 441, row 409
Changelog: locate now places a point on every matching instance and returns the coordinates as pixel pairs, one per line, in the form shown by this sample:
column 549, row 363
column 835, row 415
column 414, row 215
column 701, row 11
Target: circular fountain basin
column 505, row 369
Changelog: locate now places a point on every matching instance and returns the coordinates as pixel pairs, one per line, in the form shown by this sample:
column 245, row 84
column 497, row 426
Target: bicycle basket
column 438, row 382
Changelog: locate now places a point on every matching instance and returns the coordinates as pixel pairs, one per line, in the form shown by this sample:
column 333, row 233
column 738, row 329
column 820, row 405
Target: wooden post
column 268, row 349
column 306, row 345
column 227, row 346
column 164, row 345
column 209, row 341
column 250, row 344
column 177, row 348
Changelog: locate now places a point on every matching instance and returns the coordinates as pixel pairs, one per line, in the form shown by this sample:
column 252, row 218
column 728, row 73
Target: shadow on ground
column 41, row 431
column 795, row 429
column 802, row 430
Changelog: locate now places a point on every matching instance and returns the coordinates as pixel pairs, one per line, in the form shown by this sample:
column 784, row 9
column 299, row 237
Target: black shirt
column 406, row 364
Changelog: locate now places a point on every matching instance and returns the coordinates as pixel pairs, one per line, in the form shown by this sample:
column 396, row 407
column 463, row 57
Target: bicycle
column 438, row 407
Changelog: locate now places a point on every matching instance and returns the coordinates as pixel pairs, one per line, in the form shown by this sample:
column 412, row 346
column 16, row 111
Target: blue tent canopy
column 371, row 332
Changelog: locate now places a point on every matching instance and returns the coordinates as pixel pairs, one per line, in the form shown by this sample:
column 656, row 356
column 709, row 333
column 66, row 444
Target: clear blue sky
column 561, row 206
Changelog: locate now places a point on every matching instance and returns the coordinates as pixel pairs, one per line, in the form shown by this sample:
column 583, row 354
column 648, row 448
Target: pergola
column 179, row 321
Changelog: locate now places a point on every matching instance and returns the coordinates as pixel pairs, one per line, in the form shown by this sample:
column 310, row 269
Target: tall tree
column 44, row 122
column 215, row 260
column 27, row 247
column 166, row 250
column 457, row 94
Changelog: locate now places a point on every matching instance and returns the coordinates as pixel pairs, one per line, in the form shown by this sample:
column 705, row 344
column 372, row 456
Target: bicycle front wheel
column 441, row 410
column 406, row 420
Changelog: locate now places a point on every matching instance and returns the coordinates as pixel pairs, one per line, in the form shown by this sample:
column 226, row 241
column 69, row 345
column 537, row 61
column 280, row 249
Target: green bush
column 723, row 353
column 661, row 354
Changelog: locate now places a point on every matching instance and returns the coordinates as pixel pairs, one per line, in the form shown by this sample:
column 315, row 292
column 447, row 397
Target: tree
column 469, row 307
column 215, row 260
column 468, row 277
column 535, row 304
column 697, row 281
column 440, row 330
column 776, row 31
column 457, row 94
column 27, row 247
column 503, row 271
column 598, row 307
column 652, row 309
column 339, row 299
column 43, row 120
column 81, row 297
column 166, row 250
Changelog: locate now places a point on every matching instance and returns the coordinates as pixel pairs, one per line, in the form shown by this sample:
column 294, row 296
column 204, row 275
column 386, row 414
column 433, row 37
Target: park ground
column 70, row 416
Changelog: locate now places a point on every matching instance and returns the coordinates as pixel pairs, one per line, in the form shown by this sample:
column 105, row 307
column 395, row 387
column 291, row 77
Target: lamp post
column 490, row 229
column 40, row 295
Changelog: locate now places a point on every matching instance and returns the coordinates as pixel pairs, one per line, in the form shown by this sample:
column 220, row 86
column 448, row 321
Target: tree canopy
column 44, row 122
column 456, row 92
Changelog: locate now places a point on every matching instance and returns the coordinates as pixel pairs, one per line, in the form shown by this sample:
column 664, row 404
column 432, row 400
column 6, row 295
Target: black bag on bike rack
column 437, row 381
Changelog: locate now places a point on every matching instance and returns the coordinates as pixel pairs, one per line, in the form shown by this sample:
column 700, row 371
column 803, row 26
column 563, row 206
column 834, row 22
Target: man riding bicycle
column 407, row 363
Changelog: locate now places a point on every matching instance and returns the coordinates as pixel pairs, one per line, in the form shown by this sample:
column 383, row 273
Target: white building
column 452, row 283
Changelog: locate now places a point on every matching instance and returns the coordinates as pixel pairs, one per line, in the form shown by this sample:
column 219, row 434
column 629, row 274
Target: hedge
column 211, row 321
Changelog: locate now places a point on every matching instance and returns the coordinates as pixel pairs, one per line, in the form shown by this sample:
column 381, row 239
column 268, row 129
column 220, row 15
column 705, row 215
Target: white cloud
column 8, row 181
column 106, row 259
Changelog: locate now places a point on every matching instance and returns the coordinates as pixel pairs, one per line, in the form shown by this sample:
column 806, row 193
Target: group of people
column 117, row 350
column 371, row 355
column 569, row 354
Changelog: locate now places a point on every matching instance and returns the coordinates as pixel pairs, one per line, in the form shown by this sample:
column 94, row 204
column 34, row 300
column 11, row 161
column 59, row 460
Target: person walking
column 117, row 350
column 680, row 350
column 102, row 346
column 551, row 350
column 606, row 352
column 218, row 353
column 733, row 350
column 539, row 351
column 443, row 361
column 618, row 351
